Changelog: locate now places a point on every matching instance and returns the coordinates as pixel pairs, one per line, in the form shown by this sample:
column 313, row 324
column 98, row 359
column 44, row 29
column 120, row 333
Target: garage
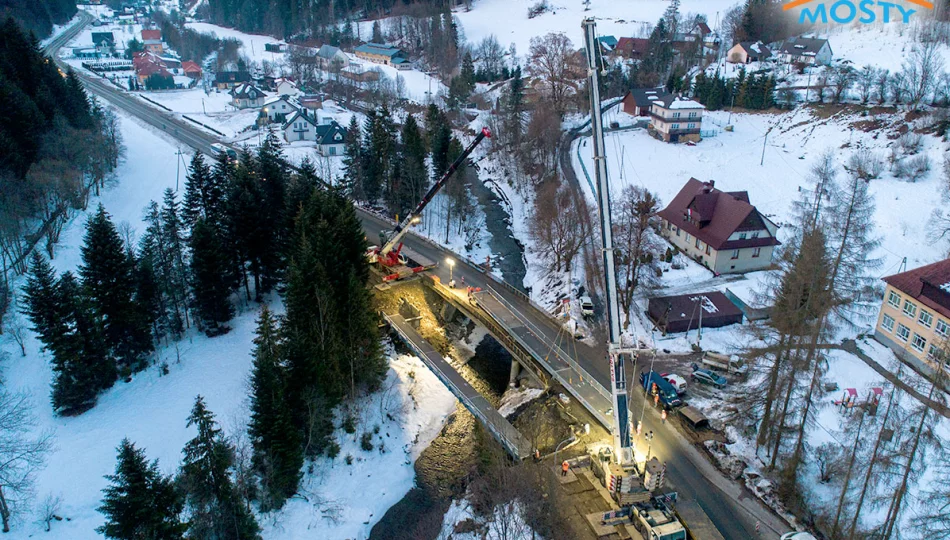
column 672, row 314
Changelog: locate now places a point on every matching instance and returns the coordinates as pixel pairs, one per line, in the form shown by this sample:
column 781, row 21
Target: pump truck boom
column 389, row 255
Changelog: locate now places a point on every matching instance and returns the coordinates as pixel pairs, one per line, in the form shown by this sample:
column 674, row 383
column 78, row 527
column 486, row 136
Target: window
column 918, row 343
column 690, row 126
column 675, row 126
column 697, row 243
column 692, row 115
column 926, row 318
column 669, row 225
column 894, row 299
column 677, row 229
column 755, row 234
column 742, row 236
column 333, row 150
column 942, row 327
column 676, row 115
column 903, row 332
column 756, row 252
column 707, row 249
column 910, row 309
column 735, row 254
column 887, row 323
column 687, row 238
column 933, row 352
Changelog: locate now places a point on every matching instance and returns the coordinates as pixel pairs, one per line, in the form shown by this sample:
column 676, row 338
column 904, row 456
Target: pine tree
column 415, row 175
column 377, row 33
column 246, row 230
column 81, row 361
column 176, row 280
column 216, row 508
column 210, row 281
column 205, row 190
column 439, row 135
column 140, row 503
column 278, row 455
column 272, row 172
column 108, row 282
column 353, row 162
column 41, row 303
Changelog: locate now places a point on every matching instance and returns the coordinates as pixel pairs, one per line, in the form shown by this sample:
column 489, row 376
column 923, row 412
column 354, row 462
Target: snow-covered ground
column 795, row 141
column 343, row 501
column 253, row 44
column 508, row 20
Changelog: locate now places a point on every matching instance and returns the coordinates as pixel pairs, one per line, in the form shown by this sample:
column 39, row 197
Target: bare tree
column 841, row 80
column 49, row 510
column 921, row 71
column 882, row 82
column 22, row 454
column 638, row 245
column 865, row 79
column 556, row 227
column 553, row 61
column 491, row 54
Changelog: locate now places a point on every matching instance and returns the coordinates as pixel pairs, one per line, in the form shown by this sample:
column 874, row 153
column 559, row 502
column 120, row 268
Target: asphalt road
column 730, row 508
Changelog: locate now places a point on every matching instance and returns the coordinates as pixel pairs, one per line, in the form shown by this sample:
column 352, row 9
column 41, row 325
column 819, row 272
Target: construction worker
column 537, row 455
column 565, row 467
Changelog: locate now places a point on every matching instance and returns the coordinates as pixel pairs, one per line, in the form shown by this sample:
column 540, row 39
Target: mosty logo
column 847, row 11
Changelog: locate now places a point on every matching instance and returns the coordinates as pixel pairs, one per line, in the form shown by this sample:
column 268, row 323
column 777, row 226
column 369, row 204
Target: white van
column 587, row 306
column 794, row 535
column 724, row 362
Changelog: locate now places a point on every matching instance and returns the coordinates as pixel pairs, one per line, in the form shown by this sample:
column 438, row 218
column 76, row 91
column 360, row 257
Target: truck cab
column 653, row 383
column 587, row 306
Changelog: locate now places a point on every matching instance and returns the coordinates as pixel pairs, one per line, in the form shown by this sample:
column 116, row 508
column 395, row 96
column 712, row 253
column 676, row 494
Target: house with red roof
column 632, row 48
column 191, row 69
column 147, row 64
column 914, row 320
column 720, row 230
column 152, row 41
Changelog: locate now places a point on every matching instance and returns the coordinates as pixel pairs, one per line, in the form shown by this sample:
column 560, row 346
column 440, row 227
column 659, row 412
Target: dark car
column 706, row 376
column 652, row 382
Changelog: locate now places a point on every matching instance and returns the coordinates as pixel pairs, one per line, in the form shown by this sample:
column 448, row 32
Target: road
column 728, row 505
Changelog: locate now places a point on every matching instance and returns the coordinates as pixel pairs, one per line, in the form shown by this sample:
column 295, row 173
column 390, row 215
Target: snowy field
column 152, row 409
column 508, row 20
column 253, row 44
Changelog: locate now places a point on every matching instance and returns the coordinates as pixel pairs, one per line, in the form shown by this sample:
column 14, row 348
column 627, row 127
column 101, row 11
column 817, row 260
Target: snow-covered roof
column 685, row 104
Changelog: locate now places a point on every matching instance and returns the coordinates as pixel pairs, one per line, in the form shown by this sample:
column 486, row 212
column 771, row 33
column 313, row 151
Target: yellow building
column 915, row 317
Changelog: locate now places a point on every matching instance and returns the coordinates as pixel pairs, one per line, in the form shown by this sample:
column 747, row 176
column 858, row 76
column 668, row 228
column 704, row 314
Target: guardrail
column 476, row 411
column 153, row 102
column 206, row 126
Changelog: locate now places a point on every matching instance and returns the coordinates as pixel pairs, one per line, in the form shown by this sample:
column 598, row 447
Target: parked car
column 222, row 149
column 587, row 306
column 723, row 362
column 794, row 535
column 677, row 381
column 707, row 376
column 651, row 382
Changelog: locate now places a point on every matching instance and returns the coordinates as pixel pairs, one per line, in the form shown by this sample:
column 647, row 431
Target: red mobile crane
column 390, row 255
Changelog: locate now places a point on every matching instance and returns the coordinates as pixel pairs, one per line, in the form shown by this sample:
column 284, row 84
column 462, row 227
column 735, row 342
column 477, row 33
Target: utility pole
column 177, row 167
column 623, row 449
column 762, row 161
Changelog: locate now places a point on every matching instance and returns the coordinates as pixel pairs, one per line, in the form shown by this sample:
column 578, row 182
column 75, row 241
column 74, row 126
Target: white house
column 246, row 96
column 329, row 56
column 806, row 51
column 300, row 127
column 331, row 139
column 278, row 108
column 286, row 87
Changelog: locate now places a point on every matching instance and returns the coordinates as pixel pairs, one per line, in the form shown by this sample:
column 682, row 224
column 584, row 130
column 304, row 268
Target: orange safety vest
column 565, row 466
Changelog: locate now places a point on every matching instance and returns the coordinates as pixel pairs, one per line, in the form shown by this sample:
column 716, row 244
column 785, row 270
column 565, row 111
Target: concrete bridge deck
column 513, row 441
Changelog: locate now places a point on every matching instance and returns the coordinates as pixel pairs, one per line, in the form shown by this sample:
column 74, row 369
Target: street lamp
column 649, row 438
column 451, row 262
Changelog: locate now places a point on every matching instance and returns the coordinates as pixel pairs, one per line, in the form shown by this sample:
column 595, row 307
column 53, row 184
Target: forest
column 38, row 17
column 58, row 149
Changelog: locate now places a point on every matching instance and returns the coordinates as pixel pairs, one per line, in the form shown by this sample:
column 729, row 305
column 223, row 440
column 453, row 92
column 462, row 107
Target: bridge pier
column 515, row 371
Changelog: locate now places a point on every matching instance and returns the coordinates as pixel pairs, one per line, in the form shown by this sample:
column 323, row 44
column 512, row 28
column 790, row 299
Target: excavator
column 390, row 258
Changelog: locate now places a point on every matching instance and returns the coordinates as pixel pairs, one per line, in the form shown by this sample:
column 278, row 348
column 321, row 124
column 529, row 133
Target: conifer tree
column 439, row 135
column 353, row 162
column 278, row 455
column 210, row 282
column 215, row 506
column 81, row 360
column 140, row 503
column 247, row 233
column 109, row 284
column 42, row 305
column 176, row 278
column 413, row 172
